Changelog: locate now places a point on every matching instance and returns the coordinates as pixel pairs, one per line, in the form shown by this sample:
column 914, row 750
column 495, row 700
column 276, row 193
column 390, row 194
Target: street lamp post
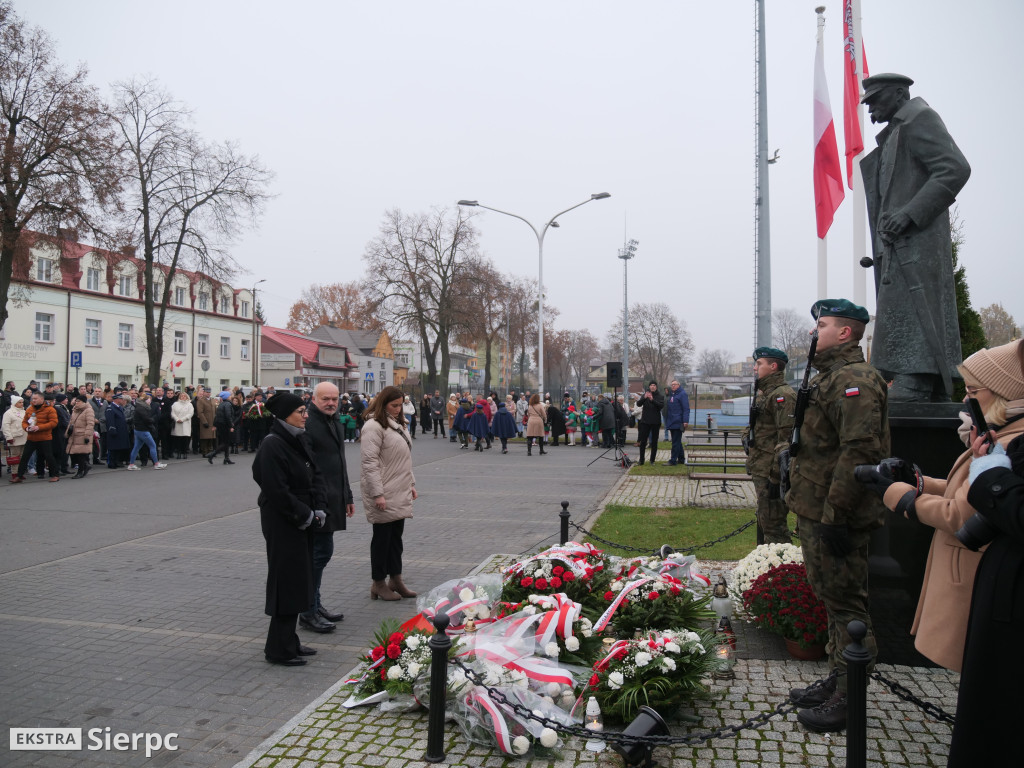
column 253, row 351
column 626, row 253
column 540, row 270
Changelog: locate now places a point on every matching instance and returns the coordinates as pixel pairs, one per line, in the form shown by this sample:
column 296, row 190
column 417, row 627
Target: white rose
column 572, row 644
column 668, row 663
column 642, row 659
column 520, row 744
column 548, row 738
column 615, row 680
column 551, row 649
column 466, row 594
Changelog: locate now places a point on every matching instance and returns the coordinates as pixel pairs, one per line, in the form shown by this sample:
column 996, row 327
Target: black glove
column 888, row 471
column 784, row 461
column 774, row 492
column 835, row 537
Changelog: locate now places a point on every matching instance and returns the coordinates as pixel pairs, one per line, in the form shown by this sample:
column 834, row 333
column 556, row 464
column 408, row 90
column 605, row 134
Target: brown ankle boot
column 396, row 583
column 380, row 589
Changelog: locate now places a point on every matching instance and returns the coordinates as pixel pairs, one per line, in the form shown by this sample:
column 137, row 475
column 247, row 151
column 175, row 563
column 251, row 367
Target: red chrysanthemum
column 653, row 595
column 526, row 582
column 377, row 652
column 555, row 582
column 541, row 583
column 609, row 595
column 394, row 651
column 558, row 570
column 396, row 638
column 568, row 576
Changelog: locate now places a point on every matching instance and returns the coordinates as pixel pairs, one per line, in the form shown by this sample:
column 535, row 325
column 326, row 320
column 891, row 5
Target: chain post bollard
column 439, row 644
column 564, row 517
column 857, row 659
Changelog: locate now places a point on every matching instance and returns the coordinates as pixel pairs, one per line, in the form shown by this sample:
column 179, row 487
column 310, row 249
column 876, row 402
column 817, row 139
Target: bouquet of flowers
column 636, row 601
column 760, row 560
column 394, row 663
column 484, row 721
column 573, row 568
column 661, row 671
column 463, row 599
column 557, row 626
column 783, row 602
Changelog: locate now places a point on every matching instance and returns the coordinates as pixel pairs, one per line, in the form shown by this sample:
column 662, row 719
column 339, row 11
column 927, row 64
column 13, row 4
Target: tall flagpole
column 859, row 200
column 822, row 241
column 762, row 234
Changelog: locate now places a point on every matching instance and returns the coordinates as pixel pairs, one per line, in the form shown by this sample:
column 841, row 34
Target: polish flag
column 828, row 176
column 852, row 134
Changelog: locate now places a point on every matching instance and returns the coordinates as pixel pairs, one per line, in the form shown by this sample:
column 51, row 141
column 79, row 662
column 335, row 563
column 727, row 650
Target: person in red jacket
column 39, row 421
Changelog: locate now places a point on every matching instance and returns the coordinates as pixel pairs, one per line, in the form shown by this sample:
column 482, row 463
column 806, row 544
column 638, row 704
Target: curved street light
column 540, row 270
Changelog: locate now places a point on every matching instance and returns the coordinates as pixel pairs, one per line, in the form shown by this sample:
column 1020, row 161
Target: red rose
column 541, row 583
column 568, row 576
column 558, row 570
column 396, row 638
column 555, row 582
column 394, row 651
column 609, row 595
column 526, row 582
column 652, row 595
column 377, row 652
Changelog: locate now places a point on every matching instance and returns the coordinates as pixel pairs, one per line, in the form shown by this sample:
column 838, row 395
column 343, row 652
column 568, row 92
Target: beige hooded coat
column 386, row 470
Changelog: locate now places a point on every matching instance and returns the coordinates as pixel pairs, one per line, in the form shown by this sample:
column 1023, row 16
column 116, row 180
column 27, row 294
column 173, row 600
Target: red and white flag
column 828, row 176
column 853, row 136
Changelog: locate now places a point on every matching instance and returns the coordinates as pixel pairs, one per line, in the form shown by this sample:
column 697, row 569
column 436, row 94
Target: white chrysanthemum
column 395, row 672
column 548, row 738
column 668, row 663
column 539, row 573
column 572, row 644
column 484, row 612
column 615, row 680
column 466, row 594
column 530, row 610
column 535, row 598
column 520, row 745
column 414, row 669
column 616, row 586
column 642, row 659
column 672, row 648
column 551, row 649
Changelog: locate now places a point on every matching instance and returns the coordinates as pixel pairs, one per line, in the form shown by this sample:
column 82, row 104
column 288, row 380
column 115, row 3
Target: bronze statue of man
column 910, row 181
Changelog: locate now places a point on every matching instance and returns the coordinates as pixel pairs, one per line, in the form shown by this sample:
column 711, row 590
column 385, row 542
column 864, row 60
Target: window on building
column 245, row 382
column 125, row 335
column 179, row 384
column 92, row 279
column 203, row 344
column 92, row 333
column 245, row 309
column 204, row 301
column 44, row 270
column 179, row 296
column 225, row 346
column 225, row 383
column 44, row 327
column 224, row 305
column 125, row 377
column 203, row 382
column 158, row 292
column 245, row 349
column 124, row 285
column 179, row 342
column 92, row 378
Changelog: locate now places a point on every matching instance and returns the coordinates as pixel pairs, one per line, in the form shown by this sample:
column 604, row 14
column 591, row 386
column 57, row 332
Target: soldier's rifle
column 803, row 397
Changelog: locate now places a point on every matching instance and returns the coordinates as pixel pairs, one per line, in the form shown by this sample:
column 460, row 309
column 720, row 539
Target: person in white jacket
column 14, row 432
column 181, row 425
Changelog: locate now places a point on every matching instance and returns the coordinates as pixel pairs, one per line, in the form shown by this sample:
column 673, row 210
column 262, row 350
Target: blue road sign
column 76, row 359
column 369, row 376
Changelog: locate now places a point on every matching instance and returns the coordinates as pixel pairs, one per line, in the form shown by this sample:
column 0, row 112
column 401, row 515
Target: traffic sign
column 76, row 359
column 369, row 375
column 205, row 365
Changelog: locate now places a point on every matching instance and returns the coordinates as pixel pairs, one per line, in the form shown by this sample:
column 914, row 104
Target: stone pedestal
column 925, row 434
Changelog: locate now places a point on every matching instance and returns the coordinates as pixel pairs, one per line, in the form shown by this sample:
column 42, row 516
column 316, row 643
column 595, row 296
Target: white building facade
column 85, row 305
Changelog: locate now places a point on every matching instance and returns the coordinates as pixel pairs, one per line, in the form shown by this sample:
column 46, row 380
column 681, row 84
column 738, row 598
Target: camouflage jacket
column 773, row 427
column 846, row 424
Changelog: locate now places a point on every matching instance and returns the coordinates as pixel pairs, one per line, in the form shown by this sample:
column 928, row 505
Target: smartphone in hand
column 980, row 425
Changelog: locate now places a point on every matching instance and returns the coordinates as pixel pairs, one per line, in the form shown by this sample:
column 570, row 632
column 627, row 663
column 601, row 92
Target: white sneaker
column 159, row 466
column 132, row 468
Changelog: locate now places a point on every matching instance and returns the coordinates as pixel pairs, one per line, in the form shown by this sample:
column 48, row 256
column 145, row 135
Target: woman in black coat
column 557, row 420
column 292, row 499
column 989, row 706
column 226, row 423
column 426, row 418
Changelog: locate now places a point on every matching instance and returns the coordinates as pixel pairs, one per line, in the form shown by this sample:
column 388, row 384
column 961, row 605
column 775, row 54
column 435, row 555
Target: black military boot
column 827, row 717
column 812, row 697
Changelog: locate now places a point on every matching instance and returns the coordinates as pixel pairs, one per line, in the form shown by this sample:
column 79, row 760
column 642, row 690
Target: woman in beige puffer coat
column 388, row 488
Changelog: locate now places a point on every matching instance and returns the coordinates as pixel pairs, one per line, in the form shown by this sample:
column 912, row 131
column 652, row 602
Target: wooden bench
column 723, row 477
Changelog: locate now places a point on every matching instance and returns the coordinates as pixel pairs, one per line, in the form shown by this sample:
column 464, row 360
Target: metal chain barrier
column 621, row 738
column 902, row 693
column 694, row 548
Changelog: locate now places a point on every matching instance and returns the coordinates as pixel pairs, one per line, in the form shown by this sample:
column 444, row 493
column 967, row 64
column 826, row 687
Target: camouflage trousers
column 772, row 515
column 842, row 585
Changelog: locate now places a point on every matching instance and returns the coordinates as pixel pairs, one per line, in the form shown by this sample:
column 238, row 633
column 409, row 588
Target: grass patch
column 664, row 470
column 679, row 527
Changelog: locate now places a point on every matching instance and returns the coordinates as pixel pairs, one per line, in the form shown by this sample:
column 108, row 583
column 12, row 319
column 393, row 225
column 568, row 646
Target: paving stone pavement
column 683, row 491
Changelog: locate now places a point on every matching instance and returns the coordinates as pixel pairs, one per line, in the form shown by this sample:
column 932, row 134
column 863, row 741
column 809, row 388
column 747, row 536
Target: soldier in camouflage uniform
column 771, row 426
column 845, row 424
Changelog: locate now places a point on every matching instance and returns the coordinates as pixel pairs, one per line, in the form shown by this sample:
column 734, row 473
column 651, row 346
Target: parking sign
column 76, row 359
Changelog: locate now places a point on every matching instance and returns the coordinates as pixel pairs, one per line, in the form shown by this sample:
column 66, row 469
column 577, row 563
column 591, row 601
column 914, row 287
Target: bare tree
column 713, row 362
column 999, row 325
column 487, row 318
column 345, row 305
column 580, row 350
column 522, row 306
column 659, row 343
column 59, row 168
column 791, row 334
column 190, row 196
column 419, row 275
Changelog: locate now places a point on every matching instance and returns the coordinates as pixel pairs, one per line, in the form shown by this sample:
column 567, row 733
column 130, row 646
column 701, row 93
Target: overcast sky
column 532, row 106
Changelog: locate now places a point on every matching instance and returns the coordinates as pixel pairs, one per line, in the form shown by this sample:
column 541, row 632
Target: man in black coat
column 652, row 401
column 292, row 502
column 328, row 441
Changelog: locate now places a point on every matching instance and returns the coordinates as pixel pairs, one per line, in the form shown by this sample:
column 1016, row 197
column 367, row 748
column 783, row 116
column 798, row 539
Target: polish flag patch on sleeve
column 780, row 400
column 852, row 391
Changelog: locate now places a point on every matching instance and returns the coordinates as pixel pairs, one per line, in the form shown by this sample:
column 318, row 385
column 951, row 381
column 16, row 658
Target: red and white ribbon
column 607, row 615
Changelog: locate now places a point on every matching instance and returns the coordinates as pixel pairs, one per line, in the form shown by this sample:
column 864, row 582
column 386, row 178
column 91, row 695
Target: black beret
column 284, row 404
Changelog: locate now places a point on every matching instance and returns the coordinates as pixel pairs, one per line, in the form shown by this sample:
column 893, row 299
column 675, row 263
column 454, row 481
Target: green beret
column 771, row 352
column 877, row 83
column 839, row 308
